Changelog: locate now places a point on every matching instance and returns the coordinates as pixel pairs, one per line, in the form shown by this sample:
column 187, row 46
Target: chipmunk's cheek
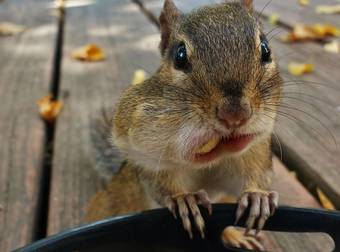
column 271, row 67
column 264, row 124
column 192, row 140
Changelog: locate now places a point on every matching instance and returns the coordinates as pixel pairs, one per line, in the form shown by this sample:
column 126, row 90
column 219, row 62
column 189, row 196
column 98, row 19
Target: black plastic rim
column 156, row 230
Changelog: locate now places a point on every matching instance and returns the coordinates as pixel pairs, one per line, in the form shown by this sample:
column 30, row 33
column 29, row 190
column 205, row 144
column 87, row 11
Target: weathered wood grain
column 126, row 37
column 25, row 67
column 291, row 12
column 292, row 193
column 128, row 40
column 309, row 124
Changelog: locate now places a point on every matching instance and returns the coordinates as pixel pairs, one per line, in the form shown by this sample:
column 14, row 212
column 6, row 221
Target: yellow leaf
column 324, row 30
column 138, row 77
column 299, row 69
column 303, row 32
column 304, row 2
column 328, row 9
column 49, row 109
column 7, row 29
column 325, row 202
column 332, row 47
column 274, row 18
column 89, row 52
column 60, row 4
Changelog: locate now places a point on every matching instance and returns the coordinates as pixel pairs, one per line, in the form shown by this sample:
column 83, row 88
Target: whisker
column 279, row 144
column 267, row 4
column 302, row 125
column 271, row 30
column 296, row 99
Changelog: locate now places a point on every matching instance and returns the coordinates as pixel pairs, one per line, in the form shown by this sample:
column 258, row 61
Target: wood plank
column 25, row 67
column 74, row 180
column 310, row 142
column 292, row 193
column 292, row 13
column 128, row 40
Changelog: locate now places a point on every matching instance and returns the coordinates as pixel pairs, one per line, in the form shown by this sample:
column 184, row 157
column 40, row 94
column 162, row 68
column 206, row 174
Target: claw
column 273, row 202
column 262, row 205
column 187, row 204
column 184, row 213
column 203, row 199
column 265, row 213
column 170, row 204
column 242, row 206
column 191, row 201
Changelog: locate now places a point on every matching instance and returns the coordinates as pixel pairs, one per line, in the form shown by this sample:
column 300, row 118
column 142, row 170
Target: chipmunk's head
column 218, row 84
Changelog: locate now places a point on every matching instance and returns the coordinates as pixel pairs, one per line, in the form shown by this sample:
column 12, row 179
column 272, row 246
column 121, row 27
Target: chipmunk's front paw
column 187, row 202
column 262, row 205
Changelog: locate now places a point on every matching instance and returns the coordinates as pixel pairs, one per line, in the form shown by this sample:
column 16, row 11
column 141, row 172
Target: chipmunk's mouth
column 217, row 146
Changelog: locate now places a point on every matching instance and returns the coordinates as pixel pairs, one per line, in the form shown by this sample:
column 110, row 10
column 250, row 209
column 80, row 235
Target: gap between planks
column 43, row 208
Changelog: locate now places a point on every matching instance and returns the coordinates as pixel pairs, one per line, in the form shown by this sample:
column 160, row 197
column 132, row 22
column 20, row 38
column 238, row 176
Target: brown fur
column 153, row 119
column 123, row 194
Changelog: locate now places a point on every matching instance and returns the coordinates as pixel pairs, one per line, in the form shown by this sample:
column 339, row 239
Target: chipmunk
column 200, row 128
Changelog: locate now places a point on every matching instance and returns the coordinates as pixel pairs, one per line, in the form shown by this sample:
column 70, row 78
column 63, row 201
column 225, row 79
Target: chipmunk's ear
column 248, row 4
column 167, row 19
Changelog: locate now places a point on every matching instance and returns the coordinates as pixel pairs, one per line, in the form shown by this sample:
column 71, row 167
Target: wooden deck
column 47, row 172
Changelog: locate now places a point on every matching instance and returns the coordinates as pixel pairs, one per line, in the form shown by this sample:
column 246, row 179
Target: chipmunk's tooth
column 207, row 147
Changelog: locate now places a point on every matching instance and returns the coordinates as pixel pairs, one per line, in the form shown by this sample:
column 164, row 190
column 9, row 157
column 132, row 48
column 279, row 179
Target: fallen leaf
column 49, row 109
column 89, row 52
column 69, row 4
column 304, row 2
column 328, row 9
column 325, row 202
column 138, row 77
column 60, row 4
column 303, row 32
column 332, row 47
column 274, row 18
column 7, row 29
column 299, row 69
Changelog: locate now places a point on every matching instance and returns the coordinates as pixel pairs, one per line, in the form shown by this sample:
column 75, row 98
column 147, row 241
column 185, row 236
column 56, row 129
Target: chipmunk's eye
column 181, row 59
column 265, row 52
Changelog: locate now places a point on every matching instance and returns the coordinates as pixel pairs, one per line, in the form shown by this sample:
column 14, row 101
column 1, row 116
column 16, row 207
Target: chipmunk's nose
column 234, row 116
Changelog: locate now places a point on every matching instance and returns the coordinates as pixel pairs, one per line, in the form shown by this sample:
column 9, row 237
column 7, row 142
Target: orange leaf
column 89, row 52
column 325, row 202
column 303, row 32
column 299, row 69
column 49, row 109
